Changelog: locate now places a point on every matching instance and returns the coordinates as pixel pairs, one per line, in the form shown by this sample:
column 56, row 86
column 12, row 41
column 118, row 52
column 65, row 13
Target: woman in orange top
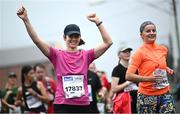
column 150, row 61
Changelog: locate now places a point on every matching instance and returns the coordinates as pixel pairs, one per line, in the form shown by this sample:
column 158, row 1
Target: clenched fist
column 93, row 17
column 22, row 13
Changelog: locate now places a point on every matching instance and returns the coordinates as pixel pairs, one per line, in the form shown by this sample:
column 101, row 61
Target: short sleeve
column 116, row 72
column 90, row 56
column 135, row 62
column 52, row 56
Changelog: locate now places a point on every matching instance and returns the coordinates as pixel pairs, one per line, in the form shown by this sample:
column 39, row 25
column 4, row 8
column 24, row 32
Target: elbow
column 113, row 90
column 46, row 100
column 110, row 43
column 43, row 98
column 36, row 42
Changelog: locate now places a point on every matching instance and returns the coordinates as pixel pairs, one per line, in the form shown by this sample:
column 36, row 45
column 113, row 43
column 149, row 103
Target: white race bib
column 164, row 83
column 73, row 86
column 33, row 102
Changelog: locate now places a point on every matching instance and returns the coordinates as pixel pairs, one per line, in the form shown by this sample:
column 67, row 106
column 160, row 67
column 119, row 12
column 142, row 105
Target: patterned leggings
column 155, row 104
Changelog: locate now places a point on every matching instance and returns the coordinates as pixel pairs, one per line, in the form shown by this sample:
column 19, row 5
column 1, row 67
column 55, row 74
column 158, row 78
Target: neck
column 27, row 83
column 125, row 63
column 10, row 86
column 72, row 49
column 150, row 43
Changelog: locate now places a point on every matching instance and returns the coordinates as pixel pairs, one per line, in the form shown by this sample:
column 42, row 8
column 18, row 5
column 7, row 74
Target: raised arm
column 107, row 42
column 44, row 47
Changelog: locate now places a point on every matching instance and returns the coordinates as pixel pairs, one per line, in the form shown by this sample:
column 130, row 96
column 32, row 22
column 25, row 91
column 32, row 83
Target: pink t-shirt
column 71, row 63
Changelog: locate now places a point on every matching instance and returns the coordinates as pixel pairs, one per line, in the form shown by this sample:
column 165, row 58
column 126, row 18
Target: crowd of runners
column 139, row 81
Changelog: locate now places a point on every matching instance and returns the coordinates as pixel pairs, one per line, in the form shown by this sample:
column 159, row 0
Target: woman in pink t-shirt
column 71, row 64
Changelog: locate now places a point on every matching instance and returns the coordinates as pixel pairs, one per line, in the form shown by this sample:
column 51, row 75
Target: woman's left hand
column 31, row 91
column 93, row 17
column 170, row 71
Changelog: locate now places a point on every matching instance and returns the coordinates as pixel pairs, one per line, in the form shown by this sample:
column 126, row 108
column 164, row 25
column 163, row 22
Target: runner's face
column 92, row 67
column 30, row 75
column 125, row 55
column 149, row 34
column 12, row 80
column 40, row 73
column 72, row 41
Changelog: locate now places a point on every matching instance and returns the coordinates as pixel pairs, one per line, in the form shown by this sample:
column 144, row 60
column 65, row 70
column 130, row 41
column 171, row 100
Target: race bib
column 73, row 86
column 90, row 92
column 33, row 102
column 161, row 84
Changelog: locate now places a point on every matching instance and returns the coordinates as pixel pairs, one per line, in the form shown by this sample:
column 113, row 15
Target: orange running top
column 146, row 59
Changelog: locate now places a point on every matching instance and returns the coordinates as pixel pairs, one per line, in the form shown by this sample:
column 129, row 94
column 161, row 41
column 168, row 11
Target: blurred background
column 122, row 19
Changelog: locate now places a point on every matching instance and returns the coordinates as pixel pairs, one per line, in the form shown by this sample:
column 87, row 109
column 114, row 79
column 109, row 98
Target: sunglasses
column 125, row 51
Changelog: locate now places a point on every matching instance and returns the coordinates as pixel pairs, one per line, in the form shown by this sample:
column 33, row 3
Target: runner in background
column 123, row 102
column 95, row 89
column 102, row 103
column 49, row 84
column 9, row 95
column 106, row 88
column 33, row 92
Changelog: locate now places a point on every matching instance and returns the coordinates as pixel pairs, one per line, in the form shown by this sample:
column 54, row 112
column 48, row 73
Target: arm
column 19, row 98
column 107, row 42
column 4, row 100
column 115, row 87
column 102, row 93
column 44, row 96
column 136, row 61
column 44, row 47
column 109, row 105
column 137, row 78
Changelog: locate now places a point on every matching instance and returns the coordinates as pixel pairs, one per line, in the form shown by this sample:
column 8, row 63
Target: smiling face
column 149, row 33
column 72, row 41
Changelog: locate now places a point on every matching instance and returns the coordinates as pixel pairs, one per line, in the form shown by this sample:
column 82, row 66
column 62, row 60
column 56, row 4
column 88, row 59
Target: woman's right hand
column 156, row 78
column 128, row 82
column 12, row 107
column 22, row 13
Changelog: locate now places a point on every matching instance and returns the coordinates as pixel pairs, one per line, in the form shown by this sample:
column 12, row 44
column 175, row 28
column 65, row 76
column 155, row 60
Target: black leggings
column 63, row 108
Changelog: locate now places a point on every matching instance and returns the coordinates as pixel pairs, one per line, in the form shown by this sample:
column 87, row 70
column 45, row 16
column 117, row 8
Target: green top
column 12, row 96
